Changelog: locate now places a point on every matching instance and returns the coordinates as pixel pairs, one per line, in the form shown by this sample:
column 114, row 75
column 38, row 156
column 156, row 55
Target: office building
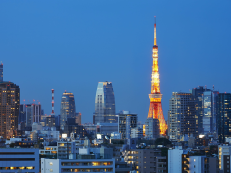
column 209, row 105
column 50, row 121
column 198, row 96
column 67, row 109
column 137, row 132
column 104, row 104
column 224, row 116
column 22, row 113
column 126, row 121
column 33, row 114
column 77, row 165
column 19, row 160
column 152, row 128
column 146, row 160
column 182, row 118
column 1, row 72
column 9, row 109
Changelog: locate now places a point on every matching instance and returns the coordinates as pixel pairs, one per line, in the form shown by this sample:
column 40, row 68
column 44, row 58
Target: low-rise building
column 19, row 160
column 77, row 165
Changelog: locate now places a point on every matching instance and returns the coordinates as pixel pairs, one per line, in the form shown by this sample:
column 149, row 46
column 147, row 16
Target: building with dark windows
column 9, row 109
column 67, row 109
column 126, row 121
column 1, row 72
column 198, row 96
column 182, row 118
column 224, row 116
column 104, row 104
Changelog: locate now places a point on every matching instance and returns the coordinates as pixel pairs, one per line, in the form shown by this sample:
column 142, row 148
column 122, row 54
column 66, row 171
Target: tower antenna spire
column 155, row 31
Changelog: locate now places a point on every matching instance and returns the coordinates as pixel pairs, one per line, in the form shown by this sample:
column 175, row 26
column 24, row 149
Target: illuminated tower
column 155, row 109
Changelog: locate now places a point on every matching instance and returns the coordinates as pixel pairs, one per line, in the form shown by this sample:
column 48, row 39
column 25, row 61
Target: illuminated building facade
column 19, row 160
column 155, row 109
column 224, row 116
column 198, row 96
column 104, row 104
column 182, row 118
column 9, row 109
column 67, row 109
column 209, row 111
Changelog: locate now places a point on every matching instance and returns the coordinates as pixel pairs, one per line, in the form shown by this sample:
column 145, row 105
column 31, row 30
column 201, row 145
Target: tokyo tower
column 155, row 109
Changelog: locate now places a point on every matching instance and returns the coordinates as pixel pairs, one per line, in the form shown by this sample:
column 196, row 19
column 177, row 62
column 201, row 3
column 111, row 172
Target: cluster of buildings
column 195, row 138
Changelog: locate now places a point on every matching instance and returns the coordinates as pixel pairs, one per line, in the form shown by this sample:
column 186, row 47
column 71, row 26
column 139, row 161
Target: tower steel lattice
column 155, row 109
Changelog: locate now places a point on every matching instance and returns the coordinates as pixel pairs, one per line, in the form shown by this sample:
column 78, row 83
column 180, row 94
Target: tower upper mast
column 155, row 32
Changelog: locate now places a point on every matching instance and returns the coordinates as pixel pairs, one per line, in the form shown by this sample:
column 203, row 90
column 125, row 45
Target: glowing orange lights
column 155, row 109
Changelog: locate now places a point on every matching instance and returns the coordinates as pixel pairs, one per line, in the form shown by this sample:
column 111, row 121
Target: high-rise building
column 33, row 114
column 152, row 128
column 67, row 109
column 155, row 109
column 224, row 116
column 1, row 72
column 198, row 96
column 209, row 105
column 104, row 104
column 9, row 109
column 126, row 121
column 182, row 118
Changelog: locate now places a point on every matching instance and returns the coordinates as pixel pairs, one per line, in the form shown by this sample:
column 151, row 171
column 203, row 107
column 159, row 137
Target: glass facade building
column 182, row 117
column 104, row 104
column 198, row 96
column 209, row 111
column 224, row 116
column 67, row 109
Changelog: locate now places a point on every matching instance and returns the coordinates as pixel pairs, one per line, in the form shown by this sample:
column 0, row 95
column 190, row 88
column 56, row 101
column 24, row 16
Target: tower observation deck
column 155, row 109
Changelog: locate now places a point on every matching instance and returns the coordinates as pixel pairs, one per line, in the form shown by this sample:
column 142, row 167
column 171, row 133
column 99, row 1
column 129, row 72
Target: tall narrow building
column 182, row 118
column 224, row 116
column 155, row 109
column 67, row 109
column 1, row 72
column 9, row 109
column 104, row 104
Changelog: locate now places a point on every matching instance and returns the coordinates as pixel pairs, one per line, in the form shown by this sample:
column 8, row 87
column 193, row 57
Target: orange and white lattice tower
column 155, row 109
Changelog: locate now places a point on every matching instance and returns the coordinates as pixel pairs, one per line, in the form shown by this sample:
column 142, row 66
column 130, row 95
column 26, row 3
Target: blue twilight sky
column 72, row 45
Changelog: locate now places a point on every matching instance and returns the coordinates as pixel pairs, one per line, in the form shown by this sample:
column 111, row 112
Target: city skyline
column 46, row 56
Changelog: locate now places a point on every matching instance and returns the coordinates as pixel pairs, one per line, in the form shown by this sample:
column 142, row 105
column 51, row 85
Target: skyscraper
column 9, row 109
column 224, row 116
column 155, row 109
column 182, row 118
column 1, row 72
column 67, row 109
column 209, row 106
column 104, row 104
column 198, row 96
column 33, row 114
